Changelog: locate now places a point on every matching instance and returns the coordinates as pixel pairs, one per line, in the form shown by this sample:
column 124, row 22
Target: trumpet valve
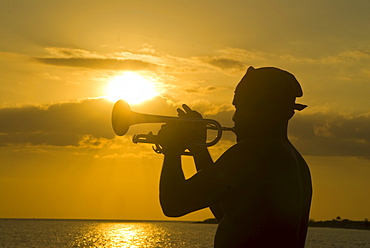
column 145, row 138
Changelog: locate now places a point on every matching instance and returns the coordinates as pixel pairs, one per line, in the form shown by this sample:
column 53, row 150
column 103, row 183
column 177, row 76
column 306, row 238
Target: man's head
column 266, row 95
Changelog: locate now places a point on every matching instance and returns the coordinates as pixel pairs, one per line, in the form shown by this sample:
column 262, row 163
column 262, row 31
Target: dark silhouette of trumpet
column 123, row 118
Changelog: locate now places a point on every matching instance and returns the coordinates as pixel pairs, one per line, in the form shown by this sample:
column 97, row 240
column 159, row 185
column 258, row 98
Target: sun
column 131, row 87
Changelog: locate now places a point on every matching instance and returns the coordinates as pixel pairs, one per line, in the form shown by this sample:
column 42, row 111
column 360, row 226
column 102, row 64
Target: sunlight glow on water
column 123, row 235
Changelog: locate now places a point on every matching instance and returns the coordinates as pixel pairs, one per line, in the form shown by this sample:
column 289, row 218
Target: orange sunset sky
column 62, row 64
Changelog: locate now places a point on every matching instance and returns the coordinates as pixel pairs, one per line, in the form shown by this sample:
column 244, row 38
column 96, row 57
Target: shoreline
column 344, row 224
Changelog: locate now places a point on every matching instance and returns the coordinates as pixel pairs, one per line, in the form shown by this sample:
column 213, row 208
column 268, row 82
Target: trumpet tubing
column 123, row 118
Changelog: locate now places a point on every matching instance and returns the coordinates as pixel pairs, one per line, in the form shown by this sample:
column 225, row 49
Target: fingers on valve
column 188, row 112
column 181, row 113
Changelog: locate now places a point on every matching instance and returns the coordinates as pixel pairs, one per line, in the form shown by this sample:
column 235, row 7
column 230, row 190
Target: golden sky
column 59, row 155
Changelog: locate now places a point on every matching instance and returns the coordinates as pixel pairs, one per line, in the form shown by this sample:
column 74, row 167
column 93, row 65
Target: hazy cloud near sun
column 104, row 64
column 144, row 59
column 60, row 124
column 343, row 66
column 87, row 124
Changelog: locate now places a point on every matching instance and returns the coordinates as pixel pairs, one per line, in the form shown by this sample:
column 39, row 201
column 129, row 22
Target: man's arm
column 179, row 196
column 172, row 181
column 203, row 160
column 206, row 188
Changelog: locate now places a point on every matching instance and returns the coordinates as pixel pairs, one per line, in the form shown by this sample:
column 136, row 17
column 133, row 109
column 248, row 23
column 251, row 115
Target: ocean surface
column 86, row 233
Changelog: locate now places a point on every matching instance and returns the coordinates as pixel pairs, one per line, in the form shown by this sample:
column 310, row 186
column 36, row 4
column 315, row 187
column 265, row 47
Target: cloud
column 66, row 52
column 232, row 60
column 345, row 65
column 61, row 124
column 195, row 89
column 85, row 123
column 225, row 63
column 328, row 134
column 226, row 60
column 72, row 57
column 350, row 56
column 95, row 63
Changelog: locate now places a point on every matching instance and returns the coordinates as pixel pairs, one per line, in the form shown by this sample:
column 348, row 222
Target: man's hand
column 172, row 138
column 197, row 131
column 177, row 136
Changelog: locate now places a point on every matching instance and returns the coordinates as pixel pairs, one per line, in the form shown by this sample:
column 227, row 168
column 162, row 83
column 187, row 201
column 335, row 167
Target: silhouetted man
column 259, row 189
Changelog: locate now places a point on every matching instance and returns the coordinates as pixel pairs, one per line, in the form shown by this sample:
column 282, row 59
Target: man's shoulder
column 256, row 151
column 243, row 151
column 248, row 146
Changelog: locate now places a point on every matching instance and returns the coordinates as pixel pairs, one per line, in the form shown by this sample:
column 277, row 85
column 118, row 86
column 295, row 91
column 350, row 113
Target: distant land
column 334, row 223
column 341, row 223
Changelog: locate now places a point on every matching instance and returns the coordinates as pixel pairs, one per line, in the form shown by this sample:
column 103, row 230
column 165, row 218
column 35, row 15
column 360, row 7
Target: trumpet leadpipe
column 231, row 129
column 151, row 138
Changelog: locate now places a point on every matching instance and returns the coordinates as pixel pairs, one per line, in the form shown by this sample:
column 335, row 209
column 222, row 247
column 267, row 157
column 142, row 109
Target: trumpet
column 123, row 118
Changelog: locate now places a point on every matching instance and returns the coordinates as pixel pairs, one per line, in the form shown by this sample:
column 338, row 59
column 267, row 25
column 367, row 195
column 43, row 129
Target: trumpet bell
column 121, row 117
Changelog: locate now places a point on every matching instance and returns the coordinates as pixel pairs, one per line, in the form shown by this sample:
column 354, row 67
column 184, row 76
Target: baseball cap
column 271, row 85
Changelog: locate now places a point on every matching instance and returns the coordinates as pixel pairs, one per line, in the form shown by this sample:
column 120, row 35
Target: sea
column 32, row 233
